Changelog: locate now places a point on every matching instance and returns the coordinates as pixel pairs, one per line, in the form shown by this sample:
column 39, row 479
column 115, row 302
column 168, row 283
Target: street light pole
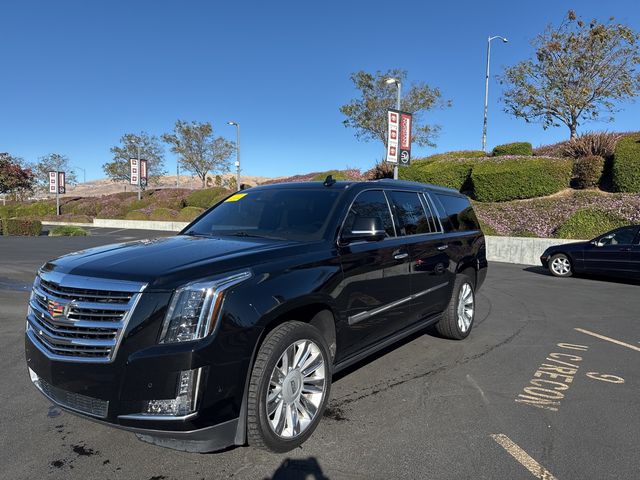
column 237, row 125
column 398, row 84
column 486, row 90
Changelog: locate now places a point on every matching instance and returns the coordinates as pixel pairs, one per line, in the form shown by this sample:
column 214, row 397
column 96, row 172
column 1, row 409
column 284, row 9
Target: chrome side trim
column 359, row 317
column 155, row 418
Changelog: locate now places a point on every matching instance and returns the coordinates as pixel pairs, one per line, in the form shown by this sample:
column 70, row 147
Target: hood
column 163, row 262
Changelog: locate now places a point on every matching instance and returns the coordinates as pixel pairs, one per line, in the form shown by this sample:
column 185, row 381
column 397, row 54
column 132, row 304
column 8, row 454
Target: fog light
column 186, row 398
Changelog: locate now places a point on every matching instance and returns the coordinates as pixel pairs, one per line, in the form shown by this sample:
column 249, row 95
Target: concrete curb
column 521, row 250
column 139, row 224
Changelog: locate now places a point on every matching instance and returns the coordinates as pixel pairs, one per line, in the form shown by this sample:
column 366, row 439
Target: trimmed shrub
column 68, row 231
column 589, row 223
column 626, row 165
column 137, row 215
column 207, row 197
column 448, row 173
column 590, row 144
column 336, row 174
column 587, row 172
column 515, row 178
column 1, row 232
column 163, row 213
column 21, row 226
column 189, row 213
column 523, row 149
column 454, row 154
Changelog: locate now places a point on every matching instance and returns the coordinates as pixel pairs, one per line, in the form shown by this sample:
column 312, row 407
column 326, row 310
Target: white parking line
column 522, row 457
column 608, row 339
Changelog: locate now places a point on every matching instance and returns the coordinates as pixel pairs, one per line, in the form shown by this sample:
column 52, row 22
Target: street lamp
column 486, row 89
column 237, row 125
column 398, row 85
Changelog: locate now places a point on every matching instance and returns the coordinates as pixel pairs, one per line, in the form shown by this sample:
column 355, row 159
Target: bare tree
column 150, row 149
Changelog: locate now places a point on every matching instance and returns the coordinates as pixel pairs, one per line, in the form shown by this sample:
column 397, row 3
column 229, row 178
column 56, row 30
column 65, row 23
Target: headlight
column 195, row 307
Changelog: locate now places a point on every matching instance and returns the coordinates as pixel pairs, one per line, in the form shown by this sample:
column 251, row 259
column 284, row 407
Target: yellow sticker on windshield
column 235, row 198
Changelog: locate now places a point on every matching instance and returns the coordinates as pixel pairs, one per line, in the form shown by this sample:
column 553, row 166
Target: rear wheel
column 560, row 265
column 457, row 319
column 289, row 387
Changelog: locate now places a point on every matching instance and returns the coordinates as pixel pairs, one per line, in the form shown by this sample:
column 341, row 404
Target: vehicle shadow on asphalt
column 299, row 469
column 599, row 278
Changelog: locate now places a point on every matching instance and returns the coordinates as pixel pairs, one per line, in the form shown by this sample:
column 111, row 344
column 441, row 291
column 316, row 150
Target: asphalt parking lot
column 546, row 386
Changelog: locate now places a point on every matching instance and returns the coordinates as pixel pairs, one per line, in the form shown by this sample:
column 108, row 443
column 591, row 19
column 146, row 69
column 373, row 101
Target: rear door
column 431, row 278
column 614, row 253
column 376, row 279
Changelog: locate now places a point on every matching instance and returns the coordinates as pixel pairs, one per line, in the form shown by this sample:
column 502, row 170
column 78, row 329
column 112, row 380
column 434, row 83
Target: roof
column 341, row 185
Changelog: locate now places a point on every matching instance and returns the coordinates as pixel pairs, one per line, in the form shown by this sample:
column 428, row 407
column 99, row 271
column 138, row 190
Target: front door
column 376, row 279
column 612, row 253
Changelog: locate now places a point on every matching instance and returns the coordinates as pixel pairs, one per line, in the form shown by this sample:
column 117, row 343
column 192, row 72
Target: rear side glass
column 371, row 203
column 459, row 212
column 410, row 212
column 432, row 214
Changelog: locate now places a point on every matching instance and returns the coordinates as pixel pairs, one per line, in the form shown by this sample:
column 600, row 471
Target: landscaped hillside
column 573, row 189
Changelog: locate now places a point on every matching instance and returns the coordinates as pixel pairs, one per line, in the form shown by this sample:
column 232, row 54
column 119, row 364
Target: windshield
column 288, row 213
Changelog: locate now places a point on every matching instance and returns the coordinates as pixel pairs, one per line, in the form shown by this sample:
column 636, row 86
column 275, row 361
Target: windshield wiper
column 242, row 233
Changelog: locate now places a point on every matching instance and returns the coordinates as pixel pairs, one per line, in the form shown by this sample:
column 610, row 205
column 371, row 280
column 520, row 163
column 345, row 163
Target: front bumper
column 544, row 260
column 116, row 395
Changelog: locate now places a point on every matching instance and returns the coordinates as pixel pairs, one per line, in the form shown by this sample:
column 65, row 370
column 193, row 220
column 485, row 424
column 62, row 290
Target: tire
column 297, row 399
column 560, row 265
column 457, row 319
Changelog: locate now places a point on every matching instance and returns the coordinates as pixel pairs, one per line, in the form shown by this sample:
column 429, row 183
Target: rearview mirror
column 368, row 229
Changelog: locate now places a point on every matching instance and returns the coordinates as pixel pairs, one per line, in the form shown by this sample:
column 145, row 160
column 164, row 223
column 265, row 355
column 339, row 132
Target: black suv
column 229, row 332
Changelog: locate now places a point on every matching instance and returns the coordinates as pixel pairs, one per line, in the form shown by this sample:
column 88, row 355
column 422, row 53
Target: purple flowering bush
column 543, row 217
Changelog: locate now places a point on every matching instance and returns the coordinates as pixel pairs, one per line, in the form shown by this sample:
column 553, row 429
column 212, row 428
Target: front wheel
column 457, row 319
column 289, row 387
column 560, row 265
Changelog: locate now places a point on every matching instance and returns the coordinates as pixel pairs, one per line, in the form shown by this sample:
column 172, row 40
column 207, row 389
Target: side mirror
column 368, row 229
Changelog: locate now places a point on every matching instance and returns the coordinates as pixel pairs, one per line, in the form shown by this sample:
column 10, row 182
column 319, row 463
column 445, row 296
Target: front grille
column 70, row 322
column 73, row 401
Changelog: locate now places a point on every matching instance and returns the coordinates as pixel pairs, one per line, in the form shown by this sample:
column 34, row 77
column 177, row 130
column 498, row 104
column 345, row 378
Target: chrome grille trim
column 92, row 325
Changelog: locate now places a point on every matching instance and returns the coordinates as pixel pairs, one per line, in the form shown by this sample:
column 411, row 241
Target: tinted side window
column 410, row 212
column 371, row 203
column 624, row 236
column 459, row 212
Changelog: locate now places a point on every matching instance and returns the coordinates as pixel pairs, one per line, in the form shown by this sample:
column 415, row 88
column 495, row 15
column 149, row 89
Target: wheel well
column 317, row 314
column 470, row 271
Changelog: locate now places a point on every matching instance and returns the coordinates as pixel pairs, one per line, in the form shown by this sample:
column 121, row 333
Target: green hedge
column 207, row 197
column 514, row 178
column 626, row 165
column 21, row 226
column 516, row 148
column 163, row 213
column 136, row 215
column 448, row 173
column 587, row 172
column 68, row 231
column 189, row 213
column 35, row 209
column 589, row 223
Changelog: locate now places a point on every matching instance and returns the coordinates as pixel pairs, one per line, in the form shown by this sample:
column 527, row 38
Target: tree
column 368, row 113
column 150, row 149
column 51, row 163
column 199, row 152
column 14, row 178
column 579, row 72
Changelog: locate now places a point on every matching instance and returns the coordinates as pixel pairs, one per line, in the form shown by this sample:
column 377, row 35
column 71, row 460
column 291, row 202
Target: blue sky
column 77, row 75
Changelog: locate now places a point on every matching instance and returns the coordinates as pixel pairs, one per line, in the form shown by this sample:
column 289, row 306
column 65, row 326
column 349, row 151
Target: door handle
column 443, row 247
column 400, row 256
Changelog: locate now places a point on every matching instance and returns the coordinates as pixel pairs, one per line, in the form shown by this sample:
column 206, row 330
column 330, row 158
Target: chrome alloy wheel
column 561, row 265
column 465, row 307
column 296, row 389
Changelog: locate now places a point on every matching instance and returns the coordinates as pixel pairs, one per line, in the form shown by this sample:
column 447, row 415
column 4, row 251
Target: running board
column 386, row 342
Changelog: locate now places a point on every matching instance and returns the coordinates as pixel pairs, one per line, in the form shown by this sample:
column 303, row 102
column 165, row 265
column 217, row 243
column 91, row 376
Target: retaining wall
column 522, row 250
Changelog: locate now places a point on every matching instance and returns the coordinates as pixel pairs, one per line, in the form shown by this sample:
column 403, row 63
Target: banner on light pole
column 62, row 183
column 134, row 171
column 143, row 173
column 399, row 137
column 393, row 132
column 53, row 182
column 57, row 183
